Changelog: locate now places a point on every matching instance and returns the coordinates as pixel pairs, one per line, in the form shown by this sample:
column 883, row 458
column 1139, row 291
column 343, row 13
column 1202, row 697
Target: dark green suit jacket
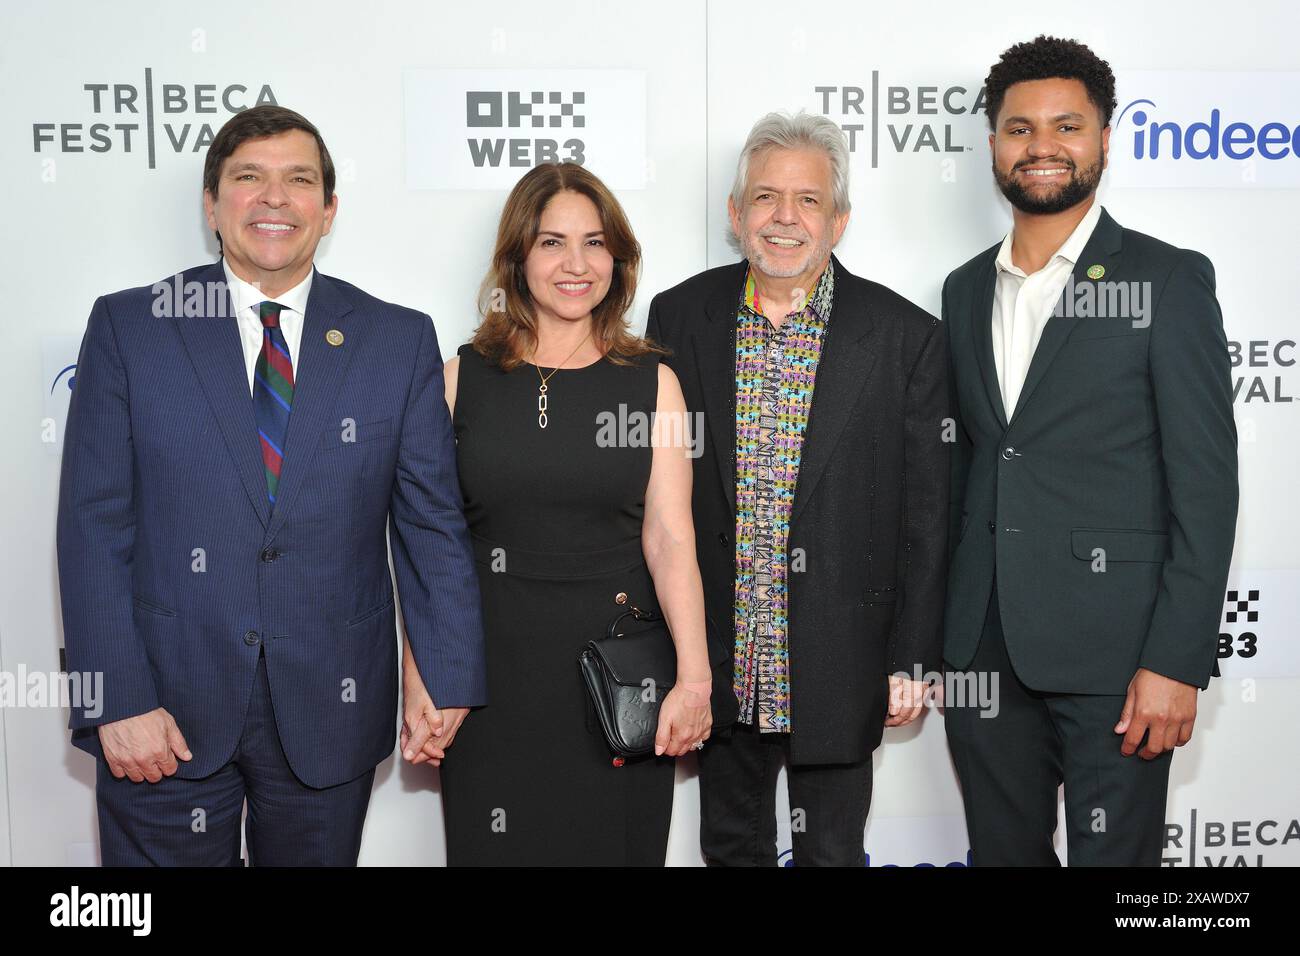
column 1106, row 507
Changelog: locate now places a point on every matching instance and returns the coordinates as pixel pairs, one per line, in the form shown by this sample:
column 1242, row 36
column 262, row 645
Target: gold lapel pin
column 335, row 337
column 1096, row 272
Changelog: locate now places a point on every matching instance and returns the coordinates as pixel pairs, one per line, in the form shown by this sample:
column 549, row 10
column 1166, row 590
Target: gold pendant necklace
column 541, row 389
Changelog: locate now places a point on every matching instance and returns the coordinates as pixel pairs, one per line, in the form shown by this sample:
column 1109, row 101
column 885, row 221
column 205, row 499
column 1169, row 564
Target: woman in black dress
column 579, row 508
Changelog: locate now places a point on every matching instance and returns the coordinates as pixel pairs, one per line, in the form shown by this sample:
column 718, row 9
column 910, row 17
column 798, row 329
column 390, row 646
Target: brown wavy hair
column 508, row 331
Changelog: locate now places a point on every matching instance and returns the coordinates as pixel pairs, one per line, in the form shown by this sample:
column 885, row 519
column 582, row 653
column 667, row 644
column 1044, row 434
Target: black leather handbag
column 628, row 675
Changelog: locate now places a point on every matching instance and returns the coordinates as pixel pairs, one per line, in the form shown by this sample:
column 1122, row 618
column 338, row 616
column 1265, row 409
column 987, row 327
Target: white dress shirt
column 247, row 298
column 1022, row 304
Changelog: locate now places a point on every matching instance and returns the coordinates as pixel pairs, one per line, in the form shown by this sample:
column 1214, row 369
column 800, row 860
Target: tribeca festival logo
column 482, row 129
column 1206, row 129
column 148, row 117
column 1231, row 843
column 933, row 120
column 1252, row 362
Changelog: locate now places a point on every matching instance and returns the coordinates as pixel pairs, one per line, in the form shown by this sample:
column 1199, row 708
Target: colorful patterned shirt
column 775, row 372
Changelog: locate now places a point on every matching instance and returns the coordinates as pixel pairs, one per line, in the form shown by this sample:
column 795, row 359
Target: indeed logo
column 1206, row 139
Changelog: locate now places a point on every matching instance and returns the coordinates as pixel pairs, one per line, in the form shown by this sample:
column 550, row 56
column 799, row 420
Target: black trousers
column 828, row 803
column 1011, row 763
column 179, row 822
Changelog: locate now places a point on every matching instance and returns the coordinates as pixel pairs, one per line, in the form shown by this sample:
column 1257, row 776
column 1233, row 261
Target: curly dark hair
column 1045, row 58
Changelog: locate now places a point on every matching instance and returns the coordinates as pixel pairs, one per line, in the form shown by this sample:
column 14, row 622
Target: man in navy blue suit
column 241, row 438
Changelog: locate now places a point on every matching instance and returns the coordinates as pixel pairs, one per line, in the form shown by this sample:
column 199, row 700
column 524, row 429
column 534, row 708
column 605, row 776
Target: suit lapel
column 215, row 352
column 983, row 319
column 842, row 371
column 1102, row 249
column 323, row 369
column 716, row 367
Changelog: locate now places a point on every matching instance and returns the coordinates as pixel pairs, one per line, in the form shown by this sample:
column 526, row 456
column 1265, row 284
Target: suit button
column 270, row 554
column 992, row 528
column 1008, row 453
column 251, row 638
column 723, row 539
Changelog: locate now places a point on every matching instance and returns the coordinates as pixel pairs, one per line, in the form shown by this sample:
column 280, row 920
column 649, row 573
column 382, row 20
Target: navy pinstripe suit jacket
column 175, row 572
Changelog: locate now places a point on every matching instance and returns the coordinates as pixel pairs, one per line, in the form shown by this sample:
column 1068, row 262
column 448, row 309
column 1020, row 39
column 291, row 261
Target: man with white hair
column 820, row 502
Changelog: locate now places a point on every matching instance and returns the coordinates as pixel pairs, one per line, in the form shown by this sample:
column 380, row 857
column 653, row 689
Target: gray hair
column 800, row 131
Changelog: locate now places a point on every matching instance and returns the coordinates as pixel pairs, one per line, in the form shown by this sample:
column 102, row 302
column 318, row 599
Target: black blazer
column 870, row 506
column 1121, row 454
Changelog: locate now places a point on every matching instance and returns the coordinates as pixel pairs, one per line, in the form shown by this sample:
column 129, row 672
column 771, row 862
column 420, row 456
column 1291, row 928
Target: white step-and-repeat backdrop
column 109, row 108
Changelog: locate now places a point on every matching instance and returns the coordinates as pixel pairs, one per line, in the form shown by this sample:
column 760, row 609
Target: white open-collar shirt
column 247, row 298
column 1022, row 304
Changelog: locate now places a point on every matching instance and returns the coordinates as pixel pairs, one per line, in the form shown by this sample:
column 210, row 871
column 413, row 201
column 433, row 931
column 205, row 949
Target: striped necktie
column 272, row 394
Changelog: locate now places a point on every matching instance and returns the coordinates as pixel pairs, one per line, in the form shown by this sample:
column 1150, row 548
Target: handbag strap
column 635, row 613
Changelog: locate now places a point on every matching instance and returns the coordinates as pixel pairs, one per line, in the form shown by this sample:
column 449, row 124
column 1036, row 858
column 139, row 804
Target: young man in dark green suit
column 1094, row 489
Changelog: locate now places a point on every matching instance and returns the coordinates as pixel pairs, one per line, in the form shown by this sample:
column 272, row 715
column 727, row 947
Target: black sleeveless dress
column 555, row 514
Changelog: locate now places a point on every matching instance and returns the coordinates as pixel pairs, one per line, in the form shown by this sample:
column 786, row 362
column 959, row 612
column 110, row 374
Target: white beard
column 756, row 251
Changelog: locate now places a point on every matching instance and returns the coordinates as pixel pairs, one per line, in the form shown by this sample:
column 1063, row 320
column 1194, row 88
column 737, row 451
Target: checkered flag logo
column 538, row 109
column 1239, row 608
